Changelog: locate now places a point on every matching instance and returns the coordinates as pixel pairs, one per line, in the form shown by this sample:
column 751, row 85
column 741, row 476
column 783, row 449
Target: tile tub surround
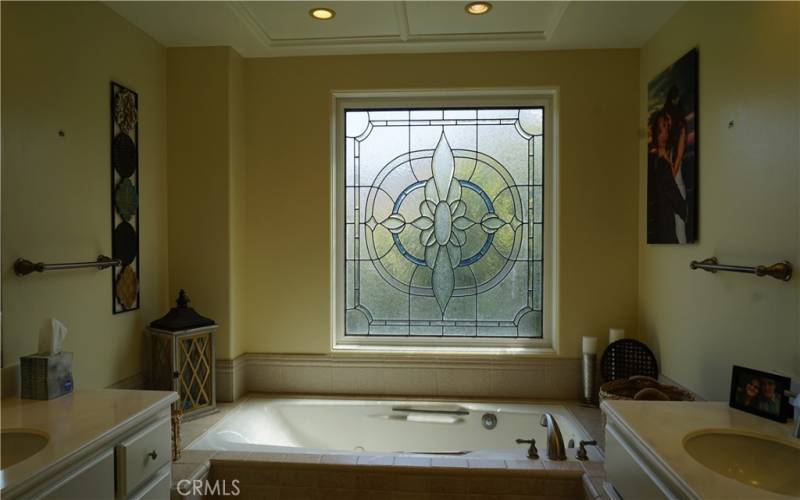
column 396, row 374
column 266, row 475
column 195, row 464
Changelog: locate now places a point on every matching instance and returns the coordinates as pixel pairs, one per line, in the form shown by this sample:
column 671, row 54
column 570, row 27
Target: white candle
column 590, row 345
column 615, row 334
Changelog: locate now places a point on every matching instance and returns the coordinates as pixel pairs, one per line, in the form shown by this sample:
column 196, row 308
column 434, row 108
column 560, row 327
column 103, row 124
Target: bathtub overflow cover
column 489, row 421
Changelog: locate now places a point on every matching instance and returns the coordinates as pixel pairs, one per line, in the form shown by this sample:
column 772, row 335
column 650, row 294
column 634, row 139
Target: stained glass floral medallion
column 444, row 222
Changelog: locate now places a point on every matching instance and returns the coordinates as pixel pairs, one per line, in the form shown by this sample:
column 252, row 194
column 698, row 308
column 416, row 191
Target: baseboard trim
column 481, row 377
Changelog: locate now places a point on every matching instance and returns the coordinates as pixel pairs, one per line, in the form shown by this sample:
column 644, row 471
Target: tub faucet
column 555, row 443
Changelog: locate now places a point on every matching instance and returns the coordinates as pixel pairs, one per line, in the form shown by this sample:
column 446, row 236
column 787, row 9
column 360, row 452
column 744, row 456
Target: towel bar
column 23, row 267
column 781, row 270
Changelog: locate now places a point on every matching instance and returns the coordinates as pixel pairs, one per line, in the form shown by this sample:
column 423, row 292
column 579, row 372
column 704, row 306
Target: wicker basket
column 641, row 388
column 632, row 388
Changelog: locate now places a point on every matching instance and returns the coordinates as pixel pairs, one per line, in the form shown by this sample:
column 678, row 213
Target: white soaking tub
column 455, row 428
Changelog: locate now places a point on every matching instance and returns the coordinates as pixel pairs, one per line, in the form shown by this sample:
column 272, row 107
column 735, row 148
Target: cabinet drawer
column 92, row 480
column 142, row 455
column 158, row 488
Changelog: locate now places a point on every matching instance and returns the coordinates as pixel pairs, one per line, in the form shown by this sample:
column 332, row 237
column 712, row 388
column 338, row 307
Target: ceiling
column 284, row 28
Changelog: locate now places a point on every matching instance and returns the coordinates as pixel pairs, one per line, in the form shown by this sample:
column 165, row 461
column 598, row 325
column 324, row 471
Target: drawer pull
column 153, row 454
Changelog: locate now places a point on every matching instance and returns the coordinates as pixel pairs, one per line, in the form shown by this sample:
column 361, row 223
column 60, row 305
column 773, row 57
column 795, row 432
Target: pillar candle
column 590, row 345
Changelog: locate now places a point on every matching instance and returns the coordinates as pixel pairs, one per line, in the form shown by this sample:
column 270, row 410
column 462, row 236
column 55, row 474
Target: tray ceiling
column 270, row 29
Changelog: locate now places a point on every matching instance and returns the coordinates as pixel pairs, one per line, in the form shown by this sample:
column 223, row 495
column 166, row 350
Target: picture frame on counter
column 760, row 393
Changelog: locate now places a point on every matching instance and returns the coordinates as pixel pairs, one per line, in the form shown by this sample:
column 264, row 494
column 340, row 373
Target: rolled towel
column 650, row 394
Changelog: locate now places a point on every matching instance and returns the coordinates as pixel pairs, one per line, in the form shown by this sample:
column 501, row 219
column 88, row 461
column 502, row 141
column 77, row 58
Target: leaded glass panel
column 444, row 222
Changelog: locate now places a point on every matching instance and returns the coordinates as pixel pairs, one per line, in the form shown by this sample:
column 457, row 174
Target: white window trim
column 546, row 97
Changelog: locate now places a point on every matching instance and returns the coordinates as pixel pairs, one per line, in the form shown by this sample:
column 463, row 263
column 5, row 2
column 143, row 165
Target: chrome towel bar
column 781, row 270
column 23, row 267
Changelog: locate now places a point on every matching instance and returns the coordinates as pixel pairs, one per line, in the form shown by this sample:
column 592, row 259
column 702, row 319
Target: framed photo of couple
column 760, row 393
column 672, row 145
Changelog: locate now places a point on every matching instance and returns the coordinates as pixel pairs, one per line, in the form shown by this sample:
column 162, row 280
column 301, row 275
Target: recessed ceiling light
column 478, row 8
column 322, row 13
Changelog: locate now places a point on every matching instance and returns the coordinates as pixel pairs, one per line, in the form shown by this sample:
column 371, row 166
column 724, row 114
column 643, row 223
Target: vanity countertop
column 662, row 426
column 75, row 424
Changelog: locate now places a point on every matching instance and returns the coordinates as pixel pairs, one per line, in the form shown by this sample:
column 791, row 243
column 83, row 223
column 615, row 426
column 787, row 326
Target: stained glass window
column 444, row 222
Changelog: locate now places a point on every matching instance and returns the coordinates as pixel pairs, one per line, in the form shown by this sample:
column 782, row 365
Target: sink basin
column 18, row 444
column 753, row 459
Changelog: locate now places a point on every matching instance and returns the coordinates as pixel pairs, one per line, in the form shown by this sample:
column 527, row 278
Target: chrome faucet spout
column 555, row 442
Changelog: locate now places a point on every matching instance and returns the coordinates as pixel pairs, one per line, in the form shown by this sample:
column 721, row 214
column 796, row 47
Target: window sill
column 445, row 350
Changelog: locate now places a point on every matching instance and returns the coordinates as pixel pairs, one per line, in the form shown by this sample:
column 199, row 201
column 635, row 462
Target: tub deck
column 347, row 474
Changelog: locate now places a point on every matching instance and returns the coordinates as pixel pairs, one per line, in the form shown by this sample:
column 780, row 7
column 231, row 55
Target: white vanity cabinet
column 138, row 466
column 650, row 455
column 626, row 471
column 103, row 444
column 143, row 459
column 93, row 479
column 634, row 470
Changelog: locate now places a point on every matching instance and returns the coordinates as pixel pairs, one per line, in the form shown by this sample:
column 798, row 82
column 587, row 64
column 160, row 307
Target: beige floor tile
column 404, row 461
column 486, row 463
column 450, row 462
column 195, row 456
column 525, row 464
column 231, row 455
column 375, row 460
column 303, row 458
column 266, row 457
column 339, row 459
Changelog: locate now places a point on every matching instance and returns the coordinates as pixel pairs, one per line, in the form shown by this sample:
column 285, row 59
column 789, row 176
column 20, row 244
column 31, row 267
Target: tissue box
column 46, row 376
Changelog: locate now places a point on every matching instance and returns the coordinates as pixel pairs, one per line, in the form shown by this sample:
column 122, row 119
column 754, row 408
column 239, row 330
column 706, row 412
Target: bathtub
column 333, row 426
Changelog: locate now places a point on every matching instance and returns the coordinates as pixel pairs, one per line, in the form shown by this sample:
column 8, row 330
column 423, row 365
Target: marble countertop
column 75, row 423
column 662, row 426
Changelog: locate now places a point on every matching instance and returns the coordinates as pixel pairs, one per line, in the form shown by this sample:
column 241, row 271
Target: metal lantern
column 182, row 358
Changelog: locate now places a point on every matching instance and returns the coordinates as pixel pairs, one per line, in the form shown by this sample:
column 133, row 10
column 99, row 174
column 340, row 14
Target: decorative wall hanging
column 125, row 197
column 672, row 147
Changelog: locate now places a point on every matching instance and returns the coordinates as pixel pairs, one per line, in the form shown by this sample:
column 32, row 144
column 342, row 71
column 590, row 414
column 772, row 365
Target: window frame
column 544, row 97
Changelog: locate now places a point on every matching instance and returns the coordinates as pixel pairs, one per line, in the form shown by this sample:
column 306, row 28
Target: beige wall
column 206, row 162
column 287, row 298
column 197, row 104
column 249, row 233
column 57, row 62
column 701, row 324
column 238, row 180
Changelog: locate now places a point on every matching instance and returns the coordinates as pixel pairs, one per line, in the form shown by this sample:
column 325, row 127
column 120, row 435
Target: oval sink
column 18, row 444
column 755, row 460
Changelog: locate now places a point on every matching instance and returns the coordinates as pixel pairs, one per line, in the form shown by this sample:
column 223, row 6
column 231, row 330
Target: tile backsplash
column 533, row 378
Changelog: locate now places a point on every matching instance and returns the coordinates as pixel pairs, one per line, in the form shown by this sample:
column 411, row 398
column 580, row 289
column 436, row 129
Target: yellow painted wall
column 749, row 210
column 199, row 259
column 287, row 297
column 238, row 180
column 57, row 62
column 206, row 202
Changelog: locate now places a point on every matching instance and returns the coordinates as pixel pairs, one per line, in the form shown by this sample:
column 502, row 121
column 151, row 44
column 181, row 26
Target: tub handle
column 437, row 411
column 581, row 454
column 533, row 453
